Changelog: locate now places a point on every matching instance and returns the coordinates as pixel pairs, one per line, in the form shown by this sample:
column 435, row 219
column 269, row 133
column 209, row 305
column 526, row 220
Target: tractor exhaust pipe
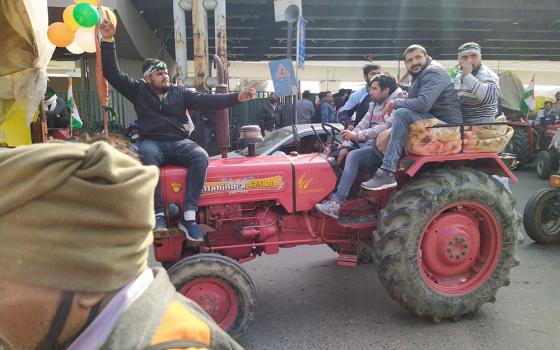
column 222, row 127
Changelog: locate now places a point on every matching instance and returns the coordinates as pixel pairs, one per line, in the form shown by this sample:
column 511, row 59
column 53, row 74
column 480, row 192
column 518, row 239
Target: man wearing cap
column 430, row 95
column 477, row 85
column 73, row 263
column 164, row 126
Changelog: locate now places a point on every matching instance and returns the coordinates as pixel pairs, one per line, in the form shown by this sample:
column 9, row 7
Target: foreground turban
column 74, row 216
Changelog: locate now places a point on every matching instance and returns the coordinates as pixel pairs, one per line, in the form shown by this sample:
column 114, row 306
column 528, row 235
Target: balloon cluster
column 77, row 31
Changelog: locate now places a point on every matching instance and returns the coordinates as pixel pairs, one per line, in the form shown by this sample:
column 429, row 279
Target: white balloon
column 85, row 39
column 74, row 48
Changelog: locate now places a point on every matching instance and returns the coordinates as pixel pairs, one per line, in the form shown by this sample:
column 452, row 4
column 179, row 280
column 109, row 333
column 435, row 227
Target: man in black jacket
column 163, row 124
column 271, row 114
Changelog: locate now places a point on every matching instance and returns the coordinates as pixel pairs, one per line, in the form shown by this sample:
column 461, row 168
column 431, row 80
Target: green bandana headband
column 155, row 66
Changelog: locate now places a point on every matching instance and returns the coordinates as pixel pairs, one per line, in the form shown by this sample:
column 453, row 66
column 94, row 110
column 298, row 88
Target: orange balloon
column 68, row 18
column 93, row 2
column 112, row 17
column 60, row 34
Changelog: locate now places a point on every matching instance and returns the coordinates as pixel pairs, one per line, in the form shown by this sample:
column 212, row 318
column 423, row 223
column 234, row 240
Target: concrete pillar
column 180, row 42
column 200, row 39
column 221, row 36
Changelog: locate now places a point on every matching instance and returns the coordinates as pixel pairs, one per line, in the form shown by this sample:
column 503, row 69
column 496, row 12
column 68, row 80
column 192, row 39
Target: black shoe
column 382, row 180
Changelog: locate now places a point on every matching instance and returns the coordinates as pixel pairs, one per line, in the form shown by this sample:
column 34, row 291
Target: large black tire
column 208, row 277
column 544, row 164
column 519, row 145
column 410, row 217
column 541, row 216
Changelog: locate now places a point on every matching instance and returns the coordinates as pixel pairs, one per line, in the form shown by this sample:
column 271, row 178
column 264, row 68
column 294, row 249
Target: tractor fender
column 487, row 162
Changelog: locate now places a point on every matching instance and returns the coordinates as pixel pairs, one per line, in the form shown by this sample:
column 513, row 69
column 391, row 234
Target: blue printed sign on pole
column 283, row 77
column 301, row 43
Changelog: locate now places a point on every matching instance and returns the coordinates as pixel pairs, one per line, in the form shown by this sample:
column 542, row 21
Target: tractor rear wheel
column 519, row 145
column 220, row 286
column 446, row 242
column 541, row 216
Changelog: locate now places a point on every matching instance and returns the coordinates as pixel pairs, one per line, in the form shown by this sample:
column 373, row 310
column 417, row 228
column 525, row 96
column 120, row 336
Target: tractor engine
column 235, row 224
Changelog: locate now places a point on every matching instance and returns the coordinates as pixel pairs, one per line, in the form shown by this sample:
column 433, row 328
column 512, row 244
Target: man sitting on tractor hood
column 431, row 95
column 164, row 127
column 478, row 86
column 383, row 90
column 74, row 262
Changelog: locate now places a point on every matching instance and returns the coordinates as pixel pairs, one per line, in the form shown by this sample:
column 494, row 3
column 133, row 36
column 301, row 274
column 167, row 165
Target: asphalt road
column 305, row 301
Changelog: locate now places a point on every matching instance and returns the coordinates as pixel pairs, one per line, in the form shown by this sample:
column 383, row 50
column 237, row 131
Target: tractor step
column 349, row 260
column 361, row 221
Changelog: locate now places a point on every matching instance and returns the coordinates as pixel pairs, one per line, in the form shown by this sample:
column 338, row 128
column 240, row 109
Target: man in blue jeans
column 383, row 90
column 163, row 124
column 430, row 95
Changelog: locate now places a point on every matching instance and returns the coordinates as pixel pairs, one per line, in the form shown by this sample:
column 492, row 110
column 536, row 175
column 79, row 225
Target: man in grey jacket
column 431, row 94
column 383, row 90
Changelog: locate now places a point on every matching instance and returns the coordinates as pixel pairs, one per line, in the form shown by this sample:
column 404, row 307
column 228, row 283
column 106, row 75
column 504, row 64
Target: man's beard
column 411, row 71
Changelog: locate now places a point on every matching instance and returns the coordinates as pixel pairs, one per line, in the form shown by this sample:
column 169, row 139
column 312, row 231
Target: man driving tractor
column 383, row 90
column 163, row 125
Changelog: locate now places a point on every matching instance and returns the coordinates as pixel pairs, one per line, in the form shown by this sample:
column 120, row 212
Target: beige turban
column 74, row 216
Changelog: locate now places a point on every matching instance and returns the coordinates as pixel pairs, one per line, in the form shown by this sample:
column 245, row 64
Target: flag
column 75, row 120
column 527, row 102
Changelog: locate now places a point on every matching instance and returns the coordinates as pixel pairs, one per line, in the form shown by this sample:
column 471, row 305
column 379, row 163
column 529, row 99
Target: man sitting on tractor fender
column 431, row 95
column 383, row 90
column 477, row 85
column 163, row 126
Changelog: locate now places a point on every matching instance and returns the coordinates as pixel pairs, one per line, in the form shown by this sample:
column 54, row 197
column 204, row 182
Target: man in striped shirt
column 477, row 85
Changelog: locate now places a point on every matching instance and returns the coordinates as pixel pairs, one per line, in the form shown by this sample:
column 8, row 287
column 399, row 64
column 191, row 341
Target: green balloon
column 85, row 15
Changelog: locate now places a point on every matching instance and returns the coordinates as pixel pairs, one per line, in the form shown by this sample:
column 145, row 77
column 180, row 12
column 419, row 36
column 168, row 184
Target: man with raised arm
column 164, row 126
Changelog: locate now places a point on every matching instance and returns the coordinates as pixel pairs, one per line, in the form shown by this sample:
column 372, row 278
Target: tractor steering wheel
column 335, row 130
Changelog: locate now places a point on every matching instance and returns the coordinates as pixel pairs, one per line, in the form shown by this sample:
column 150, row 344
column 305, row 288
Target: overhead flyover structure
column 355, row 30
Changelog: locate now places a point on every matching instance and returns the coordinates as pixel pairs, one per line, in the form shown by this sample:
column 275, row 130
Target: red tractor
column 528, row 144
column 541, row 216
column 548, row 158
column 443, row 242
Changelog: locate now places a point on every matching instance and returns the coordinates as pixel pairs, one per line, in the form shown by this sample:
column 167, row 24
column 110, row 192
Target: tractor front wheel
column 546, row 164
column 220, row 286
column 446, row 242
column 541, row 216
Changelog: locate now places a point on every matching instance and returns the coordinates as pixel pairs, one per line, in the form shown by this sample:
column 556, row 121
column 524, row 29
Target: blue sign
column 283, row 77
column 301, row 43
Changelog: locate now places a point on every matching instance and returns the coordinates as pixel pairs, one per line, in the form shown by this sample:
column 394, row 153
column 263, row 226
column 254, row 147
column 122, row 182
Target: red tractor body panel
column 490, row 159
column 294, row 182
column 551, row 130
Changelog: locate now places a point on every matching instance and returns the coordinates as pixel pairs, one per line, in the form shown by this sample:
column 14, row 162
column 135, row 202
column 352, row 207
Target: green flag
column 528, row 102
column 75, row 120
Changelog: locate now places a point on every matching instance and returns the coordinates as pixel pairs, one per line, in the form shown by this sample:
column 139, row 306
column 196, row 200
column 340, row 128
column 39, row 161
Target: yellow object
column 93, row 2
column 14, row 130
column 68, row 18
column 172, row 326
column 60, row 34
